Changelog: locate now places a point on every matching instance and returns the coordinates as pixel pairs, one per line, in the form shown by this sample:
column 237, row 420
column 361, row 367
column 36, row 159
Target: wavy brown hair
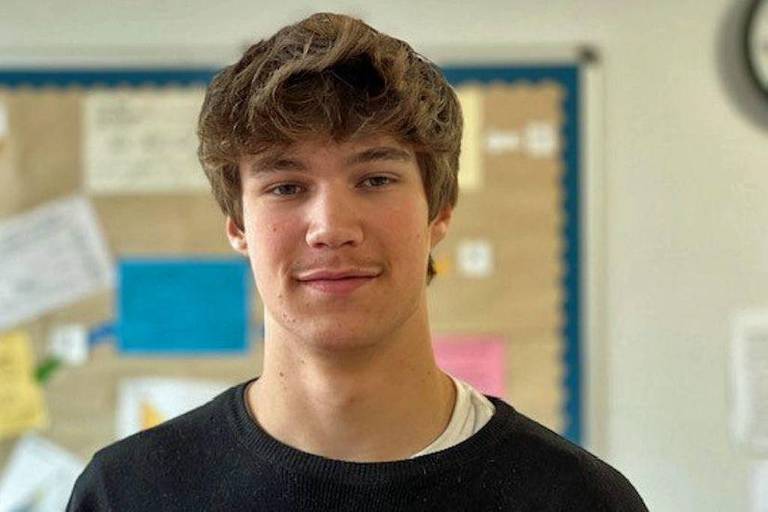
column 330, row 75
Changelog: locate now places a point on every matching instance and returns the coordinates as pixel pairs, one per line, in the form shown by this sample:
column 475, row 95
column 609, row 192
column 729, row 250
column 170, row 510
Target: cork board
column 524, row 205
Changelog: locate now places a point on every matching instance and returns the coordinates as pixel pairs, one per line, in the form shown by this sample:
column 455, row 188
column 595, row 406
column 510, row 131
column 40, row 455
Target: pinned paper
column 50, row 257
column 39, row 477
column 69, row 343
column 5, row 128
column 149, row 416
column 21, row 398
column 541, row 139
column 749, row 378
column 183, row 305
column 470, row 159
column 477, row 360
column 146, row 402
column 142, row 141
column 759, row 486
column 475, row 258
column 443, row 265
column 498, row 142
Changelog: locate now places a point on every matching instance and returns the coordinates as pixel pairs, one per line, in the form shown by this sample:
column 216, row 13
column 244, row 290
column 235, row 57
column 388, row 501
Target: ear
column 439, row 226
column 236, row 237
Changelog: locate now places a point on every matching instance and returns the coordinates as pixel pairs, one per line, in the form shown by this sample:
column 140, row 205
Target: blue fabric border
column 104, row 77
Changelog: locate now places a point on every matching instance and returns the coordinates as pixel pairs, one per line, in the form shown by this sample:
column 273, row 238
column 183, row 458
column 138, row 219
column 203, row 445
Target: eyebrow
column 381, row 153
column 278, row 161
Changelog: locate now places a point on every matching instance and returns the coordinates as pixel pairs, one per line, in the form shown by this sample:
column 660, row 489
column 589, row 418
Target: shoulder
column 191, row 431
column 158, row 458
column 554, row 466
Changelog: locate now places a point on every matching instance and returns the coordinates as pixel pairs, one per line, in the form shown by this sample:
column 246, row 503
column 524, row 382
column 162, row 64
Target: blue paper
column 183, row 305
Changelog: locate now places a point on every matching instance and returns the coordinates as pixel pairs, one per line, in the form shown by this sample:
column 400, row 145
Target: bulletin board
column 521, row 199
column 509, row 272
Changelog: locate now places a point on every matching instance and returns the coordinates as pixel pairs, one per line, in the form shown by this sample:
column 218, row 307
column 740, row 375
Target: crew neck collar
column 262, row 445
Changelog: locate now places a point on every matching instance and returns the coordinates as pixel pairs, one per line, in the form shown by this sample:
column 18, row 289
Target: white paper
column 749, row 380
column 50, row 257
column 498, row 142
column 69, row 343
column 142, row 141
column 759, row 487
column 39, row 476
column 540, row 139
column 475, row 258
column 4, row 124
column 143, row 402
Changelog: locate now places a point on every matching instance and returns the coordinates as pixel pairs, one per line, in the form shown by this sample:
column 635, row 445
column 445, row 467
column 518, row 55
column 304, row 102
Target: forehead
column 303, row 154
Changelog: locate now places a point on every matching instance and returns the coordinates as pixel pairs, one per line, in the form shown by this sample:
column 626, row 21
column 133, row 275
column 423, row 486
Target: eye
column 285, row 189
column 378, row 181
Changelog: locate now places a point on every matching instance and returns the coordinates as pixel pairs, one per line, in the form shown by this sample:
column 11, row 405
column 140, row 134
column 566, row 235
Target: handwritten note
column 21, row 398
column 142, row 141
column 50, row 257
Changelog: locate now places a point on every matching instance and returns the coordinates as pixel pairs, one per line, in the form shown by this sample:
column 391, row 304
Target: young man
column 333, row 151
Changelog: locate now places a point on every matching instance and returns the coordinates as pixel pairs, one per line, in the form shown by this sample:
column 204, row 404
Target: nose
column 334, row 220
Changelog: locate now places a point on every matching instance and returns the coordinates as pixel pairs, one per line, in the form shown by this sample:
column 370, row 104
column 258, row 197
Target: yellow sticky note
column 150, row 416
column 470, row 160
column 443, row 265
column 20, row 395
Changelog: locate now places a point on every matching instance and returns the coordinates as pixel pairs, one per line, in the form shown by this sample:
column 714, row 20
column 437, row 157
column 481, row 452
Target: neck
column 383, row 400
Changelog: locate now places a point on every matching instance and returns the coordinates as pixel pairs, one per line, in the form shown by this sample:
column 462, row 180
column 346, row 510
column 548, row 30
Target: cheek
column 265, row 239
column 408, row 235
column 269, row 245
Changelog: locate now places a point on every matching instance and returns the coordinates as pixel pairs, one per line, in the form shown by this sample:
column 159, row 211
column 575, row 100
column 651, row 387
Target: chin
column 341, row 338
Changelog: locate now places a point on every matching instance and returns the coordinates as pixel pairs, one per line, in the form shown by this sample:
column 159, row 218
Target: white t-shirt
column 470, row 413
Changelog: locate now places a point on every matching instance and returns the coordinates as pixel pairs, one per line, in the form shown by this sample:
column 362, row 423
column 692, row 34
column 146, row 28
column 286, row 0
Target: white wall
column 686, row 169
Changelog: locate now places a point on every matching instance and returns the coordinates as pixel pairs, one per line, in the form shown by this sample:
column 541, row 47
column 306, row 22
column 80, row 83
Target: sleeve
column 625, row 498
column 90, row 491
column 611, row 491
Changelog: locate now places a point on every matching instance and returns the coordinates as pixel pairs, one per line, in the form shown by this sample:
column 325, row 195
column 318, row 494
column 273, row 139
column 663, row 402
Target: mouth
column 337, row 286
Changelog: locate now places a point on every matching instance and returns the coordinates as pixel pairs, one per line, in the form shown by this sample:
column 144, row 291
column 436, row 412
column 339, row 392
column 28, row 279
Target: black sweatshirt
column 216, row 457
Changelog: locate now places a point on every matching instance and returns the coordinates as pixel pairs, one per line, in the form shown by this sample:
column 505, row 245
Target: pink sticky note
column 477, row 360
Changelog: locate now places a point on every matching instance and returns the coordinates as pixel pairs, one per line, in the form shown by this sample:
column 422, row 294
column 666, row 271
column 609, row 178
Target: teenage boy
column 333, row 151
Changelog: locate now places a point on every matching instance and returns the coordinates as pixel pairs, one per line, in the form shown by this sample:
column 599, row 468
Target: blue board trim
column 105, row 77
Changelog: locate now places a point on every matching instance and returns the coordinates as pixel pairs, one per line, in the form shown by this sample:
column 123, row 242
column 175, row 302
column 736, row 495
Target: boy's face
column 338, row 238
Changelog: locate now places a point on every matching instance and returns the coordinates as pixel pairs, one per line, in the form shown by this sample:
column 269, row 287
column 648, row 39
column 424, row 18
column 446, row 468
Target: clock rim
column 749, row 22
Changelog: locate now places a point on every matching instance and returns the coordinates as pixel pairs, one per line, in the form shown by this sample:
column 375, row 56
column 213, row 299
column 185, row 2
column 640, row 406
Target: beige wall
column 685, row 174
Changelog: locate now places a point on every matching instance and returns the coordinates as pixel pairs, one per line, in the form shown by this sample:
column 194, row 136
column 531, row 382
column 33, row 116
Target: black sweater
column 217, row 458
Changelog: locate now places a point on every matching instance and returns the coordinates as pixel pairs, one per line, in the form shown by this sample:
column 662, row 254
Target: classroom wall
column 683, row 179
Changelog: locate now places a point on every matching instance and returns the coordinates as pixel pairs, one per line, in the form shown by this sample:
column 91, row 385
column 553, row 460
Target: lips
column 337, row 282
column 334, row 275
